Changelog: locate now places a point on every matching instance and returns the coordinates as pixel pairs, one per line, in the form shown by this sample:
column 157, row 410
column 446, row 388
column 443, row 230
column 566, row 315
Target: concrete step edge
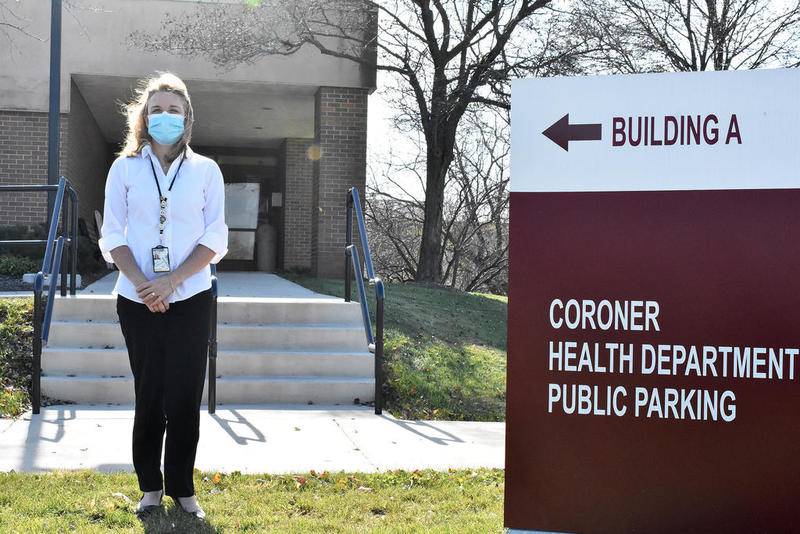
column 223, row 324
column 221, row 353
column 245, row 301
column 231, row 378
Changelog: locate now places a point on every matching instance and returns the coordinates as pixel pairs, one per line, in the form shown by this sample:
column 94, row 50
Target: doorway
column 250, row 180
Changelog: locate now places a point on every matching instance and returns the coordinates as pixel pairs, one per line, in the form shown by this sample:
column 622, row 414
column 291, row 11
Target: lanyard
column 162, row 200
column 160, row 196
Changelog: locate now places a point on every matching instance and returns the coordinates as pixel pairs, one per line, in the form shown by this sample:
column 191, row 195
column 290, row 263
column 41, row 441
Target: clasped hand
column 154, row 292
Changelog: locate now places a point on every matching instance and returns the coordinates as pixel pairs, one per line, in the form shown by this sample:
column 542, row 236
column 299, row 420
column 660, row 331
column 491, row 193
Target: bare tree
column 476, row 228
column 13, row 24
column 689, row 35
column 474, row 214
column 394, row 226
column 395, row 209
column 448, row 53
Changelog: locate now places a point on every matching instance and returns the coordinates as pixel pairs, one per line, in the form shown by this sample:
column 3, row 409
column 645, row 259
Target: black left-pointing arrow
column 562, row 132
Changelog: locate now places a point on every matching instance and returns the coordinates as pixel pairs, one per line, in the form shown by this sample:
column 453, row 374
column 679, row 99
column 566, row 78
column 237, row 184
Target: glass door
column 241, row 216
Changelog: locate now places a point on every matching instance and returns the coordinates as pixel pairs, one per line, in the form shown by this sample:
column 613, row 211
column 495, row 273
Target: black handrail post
column 65, row 218
column 348, row 242
column 379, row 348
column 212, row 345
column 74, row 242
column 37, row 343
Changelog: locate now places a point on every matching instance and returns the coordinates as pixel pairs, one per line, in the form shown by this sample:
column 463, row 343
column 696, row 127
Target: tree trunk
column 430, row 253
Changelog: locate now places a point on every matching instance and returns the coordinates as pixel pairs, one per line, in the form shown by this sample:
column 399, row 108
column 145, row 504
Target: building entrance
column 252, row 207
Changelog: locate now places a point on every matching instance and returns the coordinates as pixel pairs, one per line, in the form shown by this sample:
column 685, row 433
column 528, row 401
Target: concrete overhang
column 227, row 114
column 95, row 42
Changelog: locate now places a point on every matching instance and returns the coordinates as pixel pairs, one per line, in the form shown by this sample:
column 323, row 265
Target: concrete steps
column 230, row 390
column 270, row 350
column 311, row 336
column 86, row 361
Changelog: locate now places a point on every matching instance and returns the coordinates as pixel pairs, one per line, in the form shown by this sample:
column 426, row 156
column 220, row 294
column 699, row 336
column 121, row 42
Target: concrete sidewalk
column 254, row 439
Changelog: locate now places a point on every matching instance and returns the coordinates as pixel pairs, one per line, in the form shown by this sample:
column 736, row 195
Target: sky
column 382, row 137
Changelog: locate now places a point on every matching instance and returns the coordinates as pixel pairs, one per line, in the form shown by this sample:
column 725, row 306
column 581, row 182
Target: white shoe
column 190, row 505
column 144, row 509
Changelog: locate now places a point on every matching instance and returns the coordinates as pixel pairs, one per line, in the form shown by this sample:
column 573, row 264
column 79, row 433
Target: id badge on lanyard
column 160, row 252
column 160, row 259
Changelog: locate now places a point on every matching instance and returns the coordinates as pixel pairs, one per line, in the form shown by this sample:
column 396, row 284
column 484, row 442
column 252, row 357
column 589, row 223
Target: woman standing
column 163, row 223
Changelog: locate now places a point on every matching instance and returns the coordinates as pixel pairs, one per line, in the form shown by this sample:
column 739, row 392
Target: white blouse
column 195, row 215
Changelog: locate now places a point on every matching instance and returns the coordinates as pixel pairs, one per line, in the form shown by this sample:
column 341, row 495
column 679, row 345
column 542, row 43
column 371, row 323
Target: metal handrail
column 212, row 345
column 375, row 343
column 48, row 311
column 66, row 202
column 71, row 269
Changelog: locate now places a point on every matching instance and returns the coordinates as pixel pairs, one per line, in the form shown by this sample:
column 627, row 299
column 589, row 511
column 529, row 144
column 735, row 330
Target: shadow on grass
column 175, row 519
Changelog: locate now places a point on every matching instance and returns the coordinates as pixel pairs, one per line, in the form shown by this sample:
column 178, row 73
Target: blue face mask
column 165, row 128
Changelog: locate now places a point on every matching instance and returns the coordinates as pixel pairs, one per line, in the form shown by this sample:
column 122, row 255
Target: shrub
column 14, row 265
column 16, row 338
column 89, row 257
column 23, row 231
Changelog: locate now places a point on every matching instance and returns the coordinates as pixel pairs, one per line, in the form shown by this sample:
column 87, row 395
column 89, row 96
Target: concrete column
column 340, row 118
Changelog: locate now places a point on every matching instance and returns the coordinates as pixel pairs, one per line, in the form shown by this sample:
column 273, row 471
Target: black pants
column 168, row 352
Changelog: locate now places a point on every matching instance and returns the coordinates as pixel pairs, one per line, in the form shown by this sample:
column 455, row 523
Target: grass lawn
column 16, row 357
column 445, row 349
column 468, row 500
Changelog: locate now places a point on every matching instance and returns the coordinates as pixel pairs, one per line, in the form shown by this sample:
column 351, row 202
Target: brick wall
column 297, row 171
column 23, row 160
column 340, row 118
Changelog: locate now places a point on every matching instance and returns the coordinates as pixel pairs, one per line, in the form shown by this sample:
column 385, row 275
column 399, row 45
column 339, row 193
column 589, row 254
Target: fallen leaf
column 122, row 495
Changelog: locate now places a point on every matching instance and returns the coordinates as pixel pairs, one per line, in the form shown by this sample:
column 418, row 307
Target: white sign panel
column 653, row 132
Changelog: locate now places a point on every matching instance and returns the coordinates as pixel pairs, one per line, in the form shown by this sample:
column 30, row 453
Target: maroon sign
column 653, row 341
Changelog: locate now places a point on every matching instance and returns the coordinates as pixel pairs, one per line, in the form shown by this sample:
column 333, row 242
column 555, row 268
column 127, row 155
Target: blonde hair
column 135, row 112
